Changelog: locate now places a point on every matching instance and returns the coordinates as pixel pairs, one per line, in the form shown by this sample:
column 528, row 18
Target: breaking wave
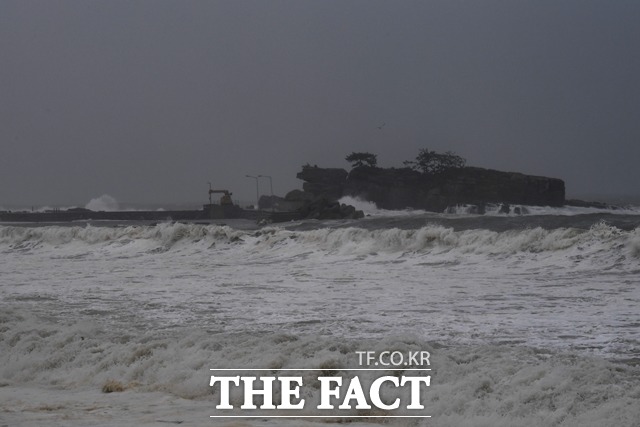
column 105, row 203
column 471, row 385
column 564, row 210
column 150, row 309
column 349, row 241
column 371, row 209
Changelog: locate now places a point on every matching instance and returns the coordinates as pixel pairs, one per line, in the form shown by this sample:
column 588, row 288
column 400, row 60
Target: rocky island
column 435, row 182
column 403, row 188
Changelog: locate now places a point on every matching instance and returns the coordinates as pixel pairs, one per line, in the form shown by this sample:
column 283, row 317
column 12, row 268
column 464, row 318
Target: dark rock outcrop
column 323, row 182
column 323, row 208
column 405, row 188
column 286, row 204
column 298, row 196
column 584, row 204
column 308, row 207
column 268, row 202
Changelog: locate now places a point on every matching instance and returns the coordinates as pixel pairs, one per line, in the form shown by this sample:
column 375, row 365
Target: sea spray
column 103, row 203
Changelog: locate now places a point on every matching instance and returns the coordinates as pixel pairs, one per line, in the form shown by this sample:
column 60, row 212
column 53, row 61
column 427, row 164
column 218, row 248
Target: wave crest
column 105, row 203
column 431, row 239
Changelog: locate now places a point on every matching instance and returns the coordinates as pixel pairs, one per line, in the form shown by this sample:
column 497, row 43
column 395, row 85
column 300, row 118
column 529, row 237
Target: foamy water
column 525, row 327
column 371, row 209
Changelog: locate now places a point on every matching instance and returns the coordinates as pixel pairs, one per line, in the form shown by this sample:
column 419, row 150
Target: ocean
column 529, row 320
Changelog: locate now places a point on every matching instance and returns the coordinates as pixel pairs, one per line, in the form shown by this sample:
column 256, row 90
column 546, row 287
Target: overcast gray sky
column 149, row 100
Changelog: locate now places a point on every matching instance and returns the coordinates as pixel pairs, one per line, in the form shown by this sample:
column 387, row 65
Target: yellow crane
column 225, row 199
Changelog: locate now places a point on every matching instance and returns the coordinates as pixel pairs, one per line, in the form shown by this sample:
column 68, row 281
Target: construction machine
column 225, row 200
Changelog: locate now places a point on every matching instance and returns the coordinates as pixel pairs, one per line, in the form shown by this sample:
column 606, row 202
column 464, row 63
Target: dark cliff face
column 323, row 182
column 405, row 188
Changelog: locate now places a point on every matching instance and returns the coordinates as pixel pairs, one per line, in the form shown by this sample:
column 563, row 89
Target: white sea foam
column 495, row 210
column 471, row 385
column 371, row 209
column 526, row 327
column 349, row 240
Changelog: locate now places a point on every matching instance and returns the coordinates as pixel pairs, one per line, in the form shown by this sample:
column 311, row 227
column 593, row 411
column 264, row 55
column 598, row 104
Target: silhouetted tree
column 362, row 159
column 430, row 162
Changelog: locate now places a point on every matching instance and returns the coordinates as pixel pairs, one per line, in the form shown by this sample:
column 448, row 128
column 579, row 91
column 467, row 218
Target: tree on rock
column 362, row 159
column 431, row 163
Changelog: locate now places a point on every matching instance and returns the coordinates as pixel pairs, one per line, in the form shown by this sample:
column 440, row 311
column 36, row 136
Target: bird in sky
column 381, row 126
